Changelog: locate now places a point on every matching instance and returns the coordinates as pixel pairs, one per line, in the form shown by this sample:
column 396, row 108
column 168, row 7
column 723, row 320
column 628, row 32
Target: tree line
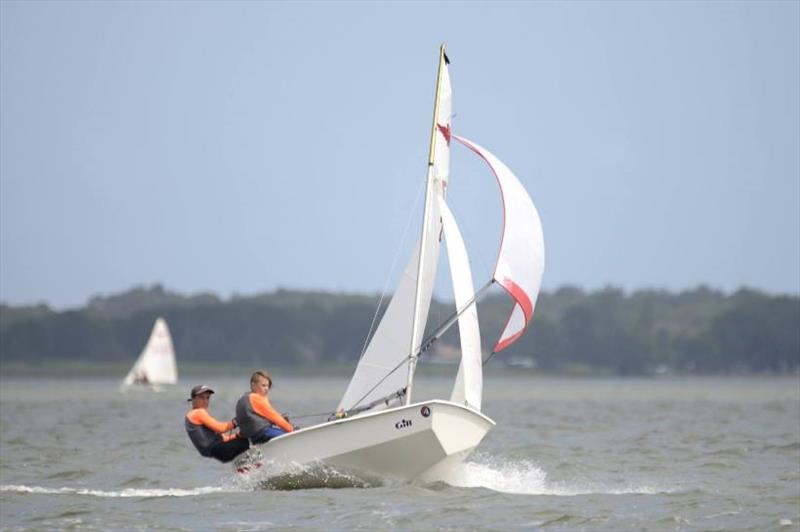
column 605, row 331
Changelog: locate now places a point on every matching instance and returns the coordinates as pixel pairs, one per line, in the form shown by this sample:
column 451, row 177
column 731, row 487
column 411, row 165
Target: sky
column 237, row 148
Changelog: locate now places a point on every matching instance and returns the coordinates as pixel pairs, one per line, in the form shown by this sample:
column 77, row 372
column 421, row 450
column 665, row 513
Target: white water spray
column 523, row 477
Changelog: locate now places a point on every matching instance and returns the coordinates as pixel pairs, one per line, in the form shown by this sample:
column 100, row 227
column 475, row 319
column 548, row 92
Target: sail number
column 403, row 423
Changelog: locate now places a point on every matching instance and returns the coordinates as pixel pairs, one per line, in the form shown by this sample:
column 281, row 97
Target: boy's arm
column 261, row 405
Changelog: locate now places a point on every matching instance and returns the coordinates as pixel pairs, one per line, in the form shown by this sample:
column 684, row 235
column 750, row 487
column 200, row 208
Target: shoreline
column 82, row 369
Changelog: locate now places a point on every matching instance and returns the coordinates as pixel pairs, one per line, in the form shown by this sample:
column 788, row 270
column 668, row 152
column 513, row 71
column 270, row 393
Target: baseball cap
column 199, row 389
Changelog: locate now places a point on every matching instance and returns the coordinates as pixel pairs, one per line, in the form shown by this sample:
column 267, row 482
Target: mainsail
column 156, row 363
column 396, row 344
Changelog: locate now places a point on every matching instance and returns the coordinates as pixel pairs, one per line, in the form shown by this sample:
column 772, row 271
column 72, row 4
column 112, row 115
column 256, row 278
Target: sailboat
column 376, row 427
column 156, row 363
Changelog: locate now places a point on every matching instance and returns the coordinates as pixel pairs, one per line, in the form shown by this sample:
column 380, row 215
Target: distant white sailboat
column 371, row 433
column 156, row 363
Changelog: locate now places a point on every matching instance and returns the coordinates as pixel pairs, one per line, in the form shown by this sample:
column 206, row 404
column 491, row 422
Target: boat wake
column 126, row 493
column 523, row 477
column 500, row 474
column 295, row 477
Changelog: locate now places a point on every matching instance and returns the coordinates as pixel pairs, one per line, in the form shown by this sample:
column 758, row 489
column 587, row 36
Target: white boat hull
column 407, row 442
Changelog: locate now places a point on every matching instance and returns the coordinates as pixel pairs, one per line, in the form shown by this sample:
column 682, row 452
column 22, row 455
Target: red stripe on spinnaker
column 521, row 298
column 507, row 342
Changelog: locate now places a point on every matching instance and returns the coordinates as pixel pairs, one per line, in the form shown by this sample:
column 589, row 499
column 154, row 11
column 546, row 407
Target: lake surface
column 566, row 454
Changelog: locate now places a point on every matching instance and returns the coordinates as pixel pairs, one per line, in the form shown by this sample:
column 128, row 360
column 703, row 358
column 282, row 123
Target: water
column 567, row 454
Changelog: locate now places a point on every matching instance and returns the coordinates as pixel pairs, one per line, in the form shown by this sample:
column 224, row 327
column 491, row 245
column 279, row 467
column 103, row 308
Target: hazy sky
column 241, row 147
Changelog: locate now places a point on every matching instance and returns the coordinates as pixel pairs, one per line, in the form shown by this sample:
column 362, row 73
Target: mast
column 415, row 341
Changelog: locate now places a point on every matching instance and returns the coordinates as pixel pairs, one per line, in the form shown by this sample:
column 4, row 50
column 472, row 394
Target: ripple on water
column 137, row 482
column 564, row 520
column 731, row 452
column 791, row 447
column 69, row 474
column 718, row 465
column 67, row 515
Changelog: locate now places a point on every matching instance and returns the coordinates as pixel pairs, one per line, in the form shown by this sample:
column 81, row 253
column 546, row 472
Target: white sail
column 156, row 363
column 387, row 364
column 377, row 374
column 520, row 261
column 468, row 388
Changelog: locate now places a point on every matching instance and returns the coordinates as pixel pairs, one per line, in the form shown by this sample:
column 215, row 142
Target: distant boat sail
column 156, row 364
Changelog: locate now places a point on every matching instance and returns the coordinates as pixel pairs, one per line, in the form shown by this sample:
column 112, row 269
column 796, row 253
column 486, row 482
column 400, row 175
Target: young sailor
column 257, row 419
column 209, row 435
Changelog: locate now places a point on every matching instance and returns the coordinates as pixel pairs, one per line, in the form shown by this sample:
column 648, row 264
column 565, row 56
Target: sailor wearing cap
column 212, row 438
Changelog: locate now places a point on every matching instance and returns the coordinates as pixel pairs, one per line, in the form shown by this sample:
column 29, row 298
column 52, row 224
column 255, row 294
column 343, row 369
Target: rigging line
column 339, row 414
column 431, row 338
column 493, row 353
column 391, row 272
column 301, row 416
column 453, row 318
column 398, row 366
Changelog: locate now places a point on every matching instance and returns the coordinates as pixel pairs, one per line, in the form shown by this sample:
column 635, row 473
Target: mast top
column 443, row 60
